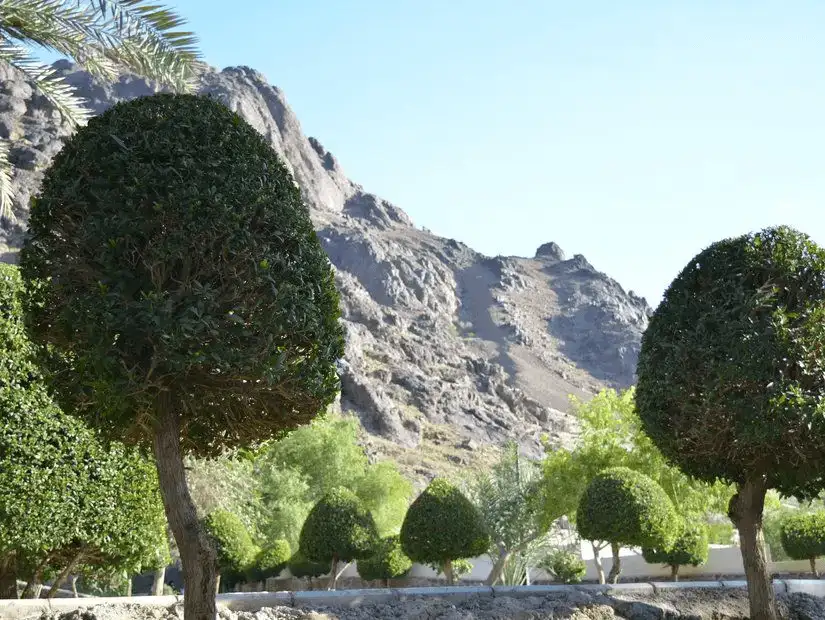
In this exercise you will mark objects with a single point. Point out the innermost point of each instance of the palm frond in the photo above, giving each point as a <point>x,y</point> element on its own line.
<point>6,191</point>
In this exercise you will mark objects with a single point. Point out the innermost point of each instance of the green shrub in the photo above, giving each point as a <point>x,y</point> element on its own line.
<point>236,550</point>
<point>690,548</point>
<point>271,560</point>
<point>299,566</point>
<point>626,508</point>
<point>388,561</point>
<point>565,566</point>
<point>442,526</point>
<point>338,529</point>
<point>460,567</point>
<point>803,536</point>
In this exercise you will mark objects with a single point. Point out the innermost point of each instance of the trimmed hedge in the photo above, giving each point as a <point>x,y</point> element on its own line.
<point>627,508</point>
<point>338,528</point>
<point>690,548</point>
<point>301,567</point>
<point>442,525</point>
<point>271,560</point>
<point>388,562</point>
<point>803,535</point>
<point>236,550</point>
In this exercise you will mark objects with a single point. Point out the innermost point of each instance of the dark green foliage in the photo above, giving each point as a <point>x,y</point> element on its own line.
<point>173,252</point>
<point>442,525</point>
<point>731,370</point>
<point>565,567</point>
<point>627,508</point>
<point>690,548</point>
<point>300,566</point>
<point>338,528</point>
<point>271,560</point>
<point>236,549</point>
<point>803,535</point>
<point>387,562</point>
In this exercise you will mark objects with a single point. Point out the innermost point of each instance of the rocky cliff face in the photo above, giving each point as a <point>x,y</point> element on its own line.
<point>448,351</point>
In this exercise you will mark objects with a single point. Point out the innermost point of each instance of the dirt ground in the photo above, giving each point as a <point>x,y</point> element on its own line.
<point>579,605</point>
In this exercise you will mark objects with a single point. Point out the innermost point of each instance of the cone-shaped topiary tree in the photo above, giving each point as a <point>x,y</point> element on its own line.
<point>626,509</point>
<point>388,561</point>
<point>731,379</point>
<point>235,548</point>
<point>271,560</point>
<point>441,526</point>
<point>803,537</point>
<point>690,549</point>
<point>183,293</point>
<point>338,529</point>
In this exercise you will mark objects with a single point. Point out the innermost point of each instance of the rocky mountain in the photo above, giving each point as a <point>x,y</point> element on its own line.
<point>448,351</point>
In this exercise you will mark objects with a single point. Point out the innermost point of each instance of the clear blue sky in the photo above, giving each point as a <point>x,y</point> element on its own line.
<point>633,132</point>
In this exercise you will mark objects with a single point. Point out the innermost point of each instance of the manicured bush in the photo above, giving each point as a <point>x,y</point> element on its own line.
<point>183,291</point>
<point>271,560</point>
<point>338,529</point>
<point>626,508</point>
<point>300,567</point>
<point>442,526</point>
<point>236,549</point>
<point>388,561</point>
<point>690,548</point>
<point>803,537</point>
<point>731,379</point>
<point>566,567</point>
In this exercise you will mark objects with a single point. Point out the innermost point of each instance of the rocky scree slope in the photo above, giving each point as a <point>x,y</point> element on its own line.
<point>448,351</point>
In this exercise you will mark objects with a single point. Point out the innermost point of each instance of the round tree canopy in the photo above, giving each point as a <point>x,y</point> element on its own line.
<point>387,562</point>
<point>338,526</point>
<point>236,549</point>
<point>803,535</point>
<point>271,560</point>
<point>690,548</point>
<point>442,525</point>
<point>174,255</point>
<point>627,508</point>
<point>731,374</point>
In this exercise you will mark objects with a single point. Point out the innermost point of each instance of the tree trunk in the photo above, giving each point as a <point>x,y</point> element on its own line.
<point>333,575</point>
<point>61,577</point>
<point>616,569</point>
<point>157,581</point>
<point>597,560</point>
<point>447,569</point>
<point>217,585</point>
<point>386,583</point>
<point>197,554</point>
<point>745,510</point>
<point>674,572</point>
<point>8,577</point>
<point>498,568</point>
<point>128,585</point>
<point>814,572</point>
<point>34,585</point>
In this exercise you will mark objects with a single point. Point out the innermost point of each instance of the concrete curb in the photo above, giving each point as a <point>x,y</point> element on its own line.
<point>253,601</point>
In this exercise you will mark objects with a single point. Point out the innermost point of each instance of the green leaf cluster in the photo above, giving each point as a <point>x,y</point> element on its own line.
<point>690,548</point>
<point>173,252</point>
<point>442,525</point>
<point>566,567</point>
<point>338,527</point>
<point>803,535</point>
<point>627,508</point>
<point>271,560</point>
<point>388,561</point>
<point>731,375</point>
<point>236,549</point>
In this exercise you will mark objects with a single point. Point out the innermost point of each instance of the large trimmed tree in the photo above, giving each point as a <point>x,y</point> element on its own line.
<point>182,292</point>
<point>442,526</point>
<point>731,379</point>
<point>627,509</point>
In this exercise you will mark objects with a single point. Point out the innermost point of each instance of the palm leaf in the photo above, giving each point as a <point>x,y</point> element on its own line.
<point>6,191</point>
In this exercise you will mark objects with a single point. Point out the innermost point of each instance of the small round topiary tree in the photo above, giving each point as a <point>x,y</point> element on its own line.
<point>626,508</point>
<point>271,560</point>
<point>731,379</point>
<point>388,561</point>
<point>690,549</point>
<point>338,529</point>
<point>300,567</point>
<point>177,279</point>
<point>235,547</point>
<point>441,526</point>
<point>803,537</point>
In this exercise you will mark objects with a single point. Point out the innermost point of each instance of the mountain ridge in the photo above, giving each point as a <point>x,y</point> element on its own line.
<point>449,352</point>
